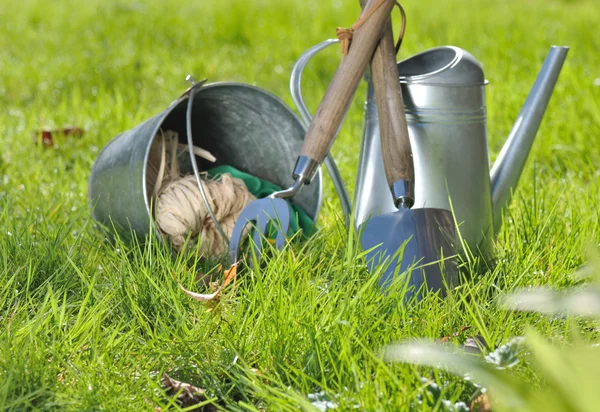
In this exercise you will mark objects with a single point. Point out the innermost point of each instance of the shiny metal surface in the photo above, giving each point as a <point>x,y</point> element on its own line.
<point>402,193</point>
<point>305,169</point>
<point>444,96</point>
<point>117,185</point>
<point>243,126</point>
<point>509,165</point>
<point>296,92</point>
<point>289,192</point>
<point>190,141</point>
<point>371,191</point>
<point>447,127</point>
<point>260,213</point>
<point>445,65</point>
<point>407,235</point>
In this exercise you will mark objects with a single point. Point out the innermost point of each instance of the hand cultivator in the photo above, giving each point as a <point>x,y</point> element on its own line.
<point>227,159</point>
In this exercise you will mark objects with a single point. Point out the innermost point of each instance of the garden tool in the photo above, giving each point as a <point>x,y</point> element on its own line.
<point>426,234</point>
<point>444,97</point>
<point>305,114</point>
<point>322,130</point>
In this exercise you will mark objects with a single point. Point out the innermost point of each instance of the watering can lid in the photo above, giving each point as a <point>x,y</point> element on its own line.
<point>445,65</point>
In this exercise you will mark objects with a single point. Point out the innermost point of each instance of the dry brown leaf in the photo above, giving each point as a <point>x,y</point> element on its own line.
<point>455,334</point>
<point>228,277</point>
<point>46,136</point>
<point>188,395</point>
<point>481,404</point>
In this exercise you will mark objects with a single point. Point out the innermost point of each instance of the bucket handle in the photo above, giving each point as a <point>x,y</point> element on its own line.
<point>296,92</point>
<point>190,141</point>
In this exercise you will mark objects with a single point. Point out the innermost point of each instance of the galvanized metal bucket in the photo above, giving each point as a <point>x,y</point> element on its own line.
<point>241,125</point>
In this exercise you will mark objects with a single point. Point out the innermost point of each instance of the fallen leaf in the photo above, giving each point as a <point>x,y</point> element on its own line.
<point>46,136</point>
<point>455,334</point>
<point>189,395</point>
<point>228,277</point>
<point>481,404</point>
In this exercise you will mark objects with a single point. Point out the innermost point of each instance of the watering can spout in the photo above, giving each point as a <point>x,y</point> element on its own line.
<point>508,166</point>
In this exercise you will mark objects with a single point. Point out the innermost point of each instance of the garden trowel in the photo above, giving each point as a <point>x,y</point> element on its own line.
<point>419,239</point>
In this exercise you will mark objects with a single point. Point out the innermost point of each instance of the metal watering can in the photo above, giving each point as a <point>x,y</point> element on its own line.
<point>444,97</point>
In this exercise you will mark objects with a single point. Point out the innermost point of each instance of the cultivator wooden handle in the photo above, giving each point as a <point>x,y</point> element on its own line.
<point>336,101</point>
<point>395,143</point>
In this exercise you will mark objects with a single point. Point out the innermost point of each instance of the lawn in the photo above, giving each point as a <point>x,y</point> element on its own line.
<point>90,325</point>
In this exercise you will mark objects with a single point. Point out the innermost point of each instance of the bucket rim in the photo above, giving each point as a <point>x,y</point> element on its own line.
<point>160,119</point>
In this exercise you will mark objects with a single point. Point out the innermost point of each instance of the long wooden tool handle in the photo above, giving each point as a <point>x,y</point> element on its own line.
<point>336,101</point>
<point>395,144</point>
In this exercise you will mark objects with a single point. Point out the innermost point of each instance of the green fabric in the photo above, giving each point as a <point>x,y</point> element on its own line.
<point>262,188</point>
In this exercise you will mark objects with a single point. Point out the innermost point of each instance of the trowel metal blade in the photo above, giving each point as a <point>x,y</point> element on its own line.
<point>427,235</point>
<point>260,213</point>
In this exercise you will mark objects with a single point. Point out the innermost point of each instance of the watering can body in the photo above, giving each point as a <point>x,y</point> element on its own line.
<point>445,105</point>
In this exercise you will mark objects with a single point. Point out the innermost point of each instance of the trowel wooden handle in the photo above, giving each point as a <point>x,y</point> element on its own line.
<point>395,144</point>
<point>336,101</point>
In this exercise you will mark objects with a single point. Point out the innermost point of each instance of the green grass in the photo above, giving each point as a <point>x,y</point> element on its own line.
<point>86,325</point>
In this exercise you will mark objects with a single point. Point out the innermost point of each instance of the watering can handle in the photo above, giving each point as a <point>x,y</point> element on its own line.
<point>306,115</point>
<point>395,143</point>
<point>336,101</point>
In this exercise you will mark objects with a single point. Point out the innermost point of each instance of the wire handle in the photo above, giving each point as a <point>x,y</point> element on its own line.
<point>188,124</point>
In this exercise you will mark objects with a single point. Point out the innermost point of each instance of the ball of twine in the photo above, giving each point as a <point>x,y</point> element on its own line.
<point>180,211</point>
